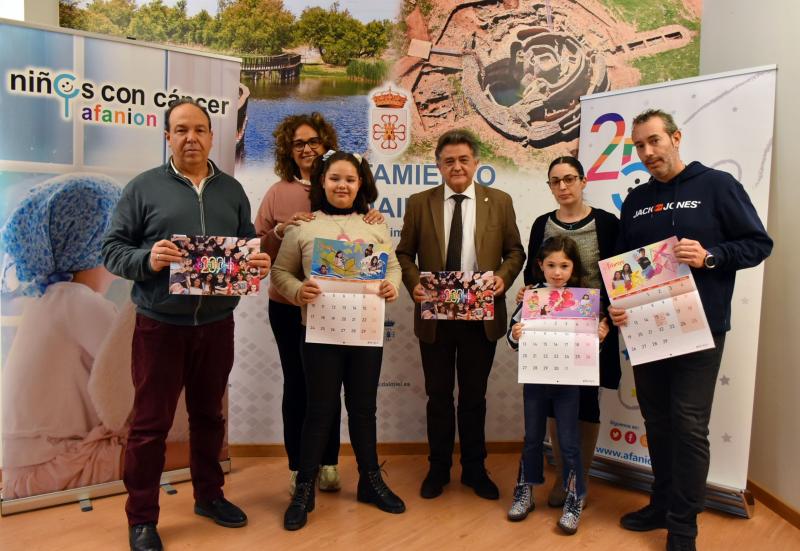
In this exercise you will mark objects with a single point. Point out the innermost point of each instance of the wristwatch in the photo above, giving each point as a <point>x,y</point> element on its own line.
<point>710,261</point>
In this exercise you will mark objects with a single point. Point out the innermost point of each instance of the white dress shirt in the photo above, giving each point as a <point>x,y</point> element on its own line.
<point>469,260</point>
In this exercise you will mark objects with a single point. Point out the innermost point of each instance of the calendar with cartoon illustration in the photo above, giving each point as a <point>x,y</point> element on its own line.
<point>665,314</point>
<point>559,343</point>
<point>348,312</point>
<point>337,259</point>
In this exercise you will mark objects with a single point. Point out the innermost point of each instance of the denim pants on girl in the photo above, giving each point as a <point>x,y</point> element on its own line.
<point>565,399</point>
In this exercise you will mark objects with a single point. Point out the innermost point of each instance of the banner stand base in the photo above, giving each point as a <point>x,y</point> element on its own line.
<point>78,495</point>
<point>736,502</point>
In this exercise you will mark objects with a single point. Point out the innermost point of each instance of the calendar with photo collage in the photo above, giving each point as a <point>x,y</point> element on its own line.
<point>665,315</point>
<point>214,266</point>
<point>458,296</point>
<point>559,343</point>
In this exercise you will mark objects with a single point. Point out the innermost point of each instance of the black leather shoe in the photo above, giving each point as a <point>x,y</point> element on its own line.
<point>302,503</point>
<point>144,537</point>
<point>478,479</point>
<point>434,483</point>
<point>645,519</point>
<point>676,542</point>
<point>372,489</point>
<point>223,512</point>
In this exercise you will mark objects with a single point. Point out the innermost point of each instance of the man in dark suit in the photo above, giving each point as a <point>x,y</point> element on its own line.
<point>459,226</point>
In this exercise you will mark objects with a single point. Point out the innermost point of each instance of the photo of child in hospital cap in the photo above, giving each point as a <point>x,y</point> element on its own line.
<point>53,437</point>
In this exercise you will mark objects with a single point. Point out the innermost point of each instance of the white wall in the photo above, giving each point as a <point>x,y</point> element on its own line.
<point>737,34</point>
<point>42,12</point>
<point>13,9</point>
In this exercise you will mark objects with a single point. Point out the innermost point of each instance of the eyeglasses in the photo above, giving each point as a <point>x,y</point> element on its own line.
<point>569,180</point>
<point>300,145</point>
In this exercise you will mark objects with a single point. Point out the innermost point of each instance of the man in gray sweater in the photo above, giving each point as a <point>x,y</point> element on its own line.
<point>179,341</point>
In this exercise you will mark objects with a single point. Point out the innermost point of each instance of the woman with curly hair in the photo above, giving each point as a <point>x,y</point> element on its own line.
<point>299,140</point>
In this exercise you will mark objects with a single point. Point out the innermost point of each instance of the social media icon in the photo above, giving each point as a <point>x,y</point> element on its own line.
<point>616,434</point>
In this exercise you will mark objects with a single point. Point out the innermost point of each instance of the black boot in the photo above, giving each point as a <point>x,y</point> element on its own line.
<point>144,537</point>
<point>302,503</point>
<point>372,489</point>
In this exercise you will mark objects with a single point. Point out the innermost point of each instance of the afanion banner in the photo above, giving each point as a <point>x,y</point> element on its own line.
<point>707,110</point>
<point>81,115</point>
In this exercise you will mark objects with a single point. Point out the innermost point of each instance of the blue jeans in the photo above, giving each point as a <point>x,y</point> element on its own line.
<point>565,400</point>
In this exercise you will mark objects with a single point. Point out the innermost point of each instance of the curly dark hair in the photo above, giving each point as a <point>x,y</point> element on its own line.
<point>285,167</point>
<point>567,245</point>
<point>367,192</point>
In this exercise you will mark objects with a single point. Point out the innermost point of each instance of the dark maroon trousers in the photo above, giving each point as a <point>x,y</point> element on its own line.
<point>166,358</point>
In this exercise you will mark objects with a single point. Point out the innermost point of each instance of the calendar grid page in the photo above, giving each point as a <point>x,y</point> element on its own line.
<point>665,315</point>
<point>348,312</point>
<point>559,343</point>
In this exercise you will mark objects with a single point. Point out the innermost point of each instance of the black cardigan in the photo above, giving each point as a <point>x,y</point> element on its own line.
<point>607,229</point>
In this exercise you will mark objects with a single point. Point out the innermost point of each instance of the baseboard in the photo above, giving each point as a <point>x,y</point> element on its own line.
<point>782,509</point>
<point>385,448</point>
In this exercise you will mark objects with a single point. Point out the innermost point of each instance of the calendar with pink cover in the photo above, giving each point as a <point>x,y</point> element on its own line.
<point>665,315</point>
<point>348,312</point>
<point>559,343</point>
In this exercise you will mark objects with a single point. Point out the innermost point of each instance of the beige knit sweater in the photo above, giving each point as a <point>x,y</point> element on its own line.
<point>294,259</point>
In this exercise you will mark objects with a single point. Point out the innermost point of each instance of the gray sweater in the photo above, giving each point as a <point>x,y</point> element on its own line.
<point>157,204</point>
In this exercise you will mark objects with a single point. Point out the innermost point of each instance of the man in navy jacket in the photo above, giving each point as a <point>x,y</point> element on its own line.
<point>719,232</point>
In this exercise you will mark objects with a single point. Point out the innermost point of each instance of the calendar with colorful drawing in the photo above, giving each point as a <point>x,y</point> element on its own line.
<point>559,343</point>
<point>665,314</point>
<point>349,259</point>
<point>349,311</point>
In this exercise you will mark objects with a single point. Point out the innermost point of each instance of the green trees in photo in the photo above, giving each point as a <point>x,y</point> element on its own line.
<point>339,36</point>
<point>255,27</point>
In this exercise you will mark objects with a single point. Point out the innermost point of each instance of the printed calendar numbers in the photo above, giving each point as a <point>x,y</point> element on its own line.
<point>559,343</point>
<point>347,312</point>
<point>665,314</point>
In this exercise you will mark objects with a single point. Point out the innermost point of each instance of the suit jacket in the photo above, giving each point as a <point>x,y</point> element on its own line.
<point>497,247</point>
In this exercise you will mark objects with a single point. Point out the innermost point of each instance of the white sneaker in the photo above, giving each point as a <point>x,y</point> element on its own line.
<point>292,482</point>
<point>523,502</point>
<point>329,480</point>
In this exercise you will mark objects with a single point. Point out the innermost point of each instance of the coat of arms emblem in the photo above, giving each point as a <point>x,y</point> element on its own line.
<point>389,122</point>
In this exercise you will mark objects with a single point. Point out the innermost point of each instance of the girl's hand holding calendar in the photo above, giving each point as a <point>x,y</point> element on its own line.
<point>387,291</point>
<point>516,332</point>
<point>309,291</point>
<point>602,329</point>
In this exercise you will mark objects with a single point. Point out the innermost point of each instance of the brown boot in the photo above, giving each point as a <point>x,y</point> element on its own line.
<point>589,433</point>
<point>557,494</point>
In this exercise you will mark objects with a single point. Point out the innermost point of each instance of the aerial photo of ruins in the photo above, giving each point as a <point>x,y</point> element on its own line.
<point>513,70</point>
